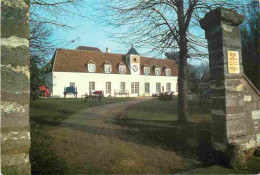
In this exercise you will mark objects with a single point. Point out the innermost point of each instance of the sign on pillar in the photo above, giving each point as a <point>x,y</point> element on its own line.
<point>233,62</point>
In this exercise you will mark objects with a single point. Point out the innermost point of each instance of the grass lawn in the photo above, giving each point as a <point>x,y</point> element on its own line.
<point>100,142</point>
<point>45,114</point>
<point>167,111</point>
<point>154,119</point>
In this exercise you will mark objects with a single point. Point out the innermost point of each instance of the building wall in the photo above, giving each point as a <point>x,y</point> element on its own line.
<point>59,80</point>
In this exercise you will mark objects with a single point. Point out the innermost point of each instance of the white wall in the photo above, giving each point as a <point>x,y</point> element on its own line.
<point>63,79</point>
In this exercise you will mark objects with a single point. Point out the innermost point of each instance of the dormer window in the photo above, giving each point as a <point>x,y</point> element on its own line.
<point>108,68</point>
<point>168,72</point>
<point>91,67</point>
<point>122,68</point>
<point>146,70</point>
<point>157,71</point>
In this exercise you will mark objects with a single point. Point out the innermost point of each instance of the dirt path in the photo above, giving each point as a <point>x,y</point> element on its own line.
<point>93,141</point>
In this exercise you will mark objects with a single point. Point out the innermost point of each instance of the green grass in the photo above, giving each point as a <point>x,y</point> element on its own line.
<point>154,120</point>
<point>156,123</point>
<point>52,111</point>
<point>144,136</point>
<point>46,114</point>
<point>156,110</point>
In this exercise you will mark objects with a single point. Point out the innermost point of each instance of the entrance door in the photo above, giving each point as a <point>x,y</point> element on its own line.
<point>91,87</point>
<point>135,88</point>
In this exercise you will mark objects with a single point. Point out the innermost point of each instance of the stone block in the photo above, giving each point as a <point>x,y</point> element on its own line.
<point>236,128</point>
<point>216,58</point>
<point>236,157</point>
<point>235,110</point>
<point>15,142</point>
<point>14,81</point>
<point>231,36</point>
<point>217,73</point>
<point>218,117</point>
<point>219,134</point>
<point>20,98</point>
<point>239,116</point>
<point>218,103</point>
<point>215,17</point>
<point>218,92</point>
<point>235,99</point>
<point>215,40</point>
<point>14,18</point>
<point>15,55</point>
<point>15,120</point>
<point>12,160</point>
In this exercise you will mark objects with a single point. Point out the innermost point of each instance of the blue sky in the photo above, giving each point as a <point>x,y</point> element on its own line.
<point>91,32</point>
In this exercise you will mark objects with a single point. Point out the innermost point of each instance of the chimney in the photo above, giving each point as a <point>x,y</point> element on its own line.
<point>108,50</point>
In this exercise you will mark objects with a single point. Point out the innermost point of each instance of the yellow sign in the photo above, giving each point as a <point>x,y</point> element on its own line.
<point>233,62</point>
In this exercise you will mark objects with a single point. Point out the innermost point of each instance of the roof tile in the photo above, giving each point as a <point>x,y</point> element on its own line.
<point>76,61</point>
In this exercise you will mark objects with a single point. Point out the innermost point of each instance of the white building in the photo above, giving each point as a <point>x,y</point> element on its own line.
<point>88,69</point>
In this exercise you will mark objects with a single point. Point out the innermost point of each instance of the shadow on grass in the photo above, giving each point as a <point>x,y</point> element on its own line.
<point>167,135</point>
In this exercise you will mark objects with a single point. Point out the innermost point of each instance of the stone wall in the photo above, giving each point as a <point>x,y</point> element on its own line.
<point>15,86</point>
<point>252,108</point>
<point>234,100</point>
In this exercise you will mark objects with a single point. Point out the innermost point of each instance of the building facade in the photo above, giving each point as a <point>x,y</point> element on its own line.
<point>88,69</point>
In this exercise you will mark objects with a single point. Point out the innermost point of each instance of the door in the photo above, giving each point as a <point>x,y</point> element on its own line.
<point>91,87</point>
<point>135,88</point>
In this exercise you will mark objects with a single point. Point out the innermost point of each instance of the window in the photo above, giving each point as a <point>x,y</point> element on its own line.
<point>91,87</point>
<point>108,87</point>
<point>168,72</point>
<point>147,88</point>
<point>168,87</point>
<point>134,87</point>
<point>122,86</point>
<point>108,68</point>
<point>177,87</point>
<point>72,84</point>
<point>158,87</point>
<point>122,69</point>
<point>157,71</point>
<point>91,67</point>
<point>146,70</point>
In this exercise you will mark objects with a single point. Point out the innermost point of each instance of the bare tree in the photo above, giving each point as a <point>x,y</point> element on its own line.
<point>165,25</point>
<point>250,42</point>
<point>46,16</point>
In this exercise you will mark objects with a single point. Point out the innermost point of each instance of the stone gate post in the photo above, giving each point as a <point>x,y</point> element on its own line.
<point>231,124</point>
<point>15,87</point>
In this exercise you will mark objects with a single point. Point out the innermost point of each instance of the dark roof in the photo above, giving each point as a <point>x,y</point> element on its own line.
<point>76,61</point>
<point>132,51</point>
<point>88,48</point>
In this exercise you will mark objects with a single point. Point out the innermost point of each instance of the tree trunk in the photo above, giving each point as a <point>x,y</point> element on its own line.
<point>182,84</point>
<point>182,75</point>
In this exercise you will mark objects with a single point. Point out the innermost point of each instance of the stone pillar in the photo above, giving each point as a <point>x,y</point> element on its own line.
<point>15,87</point>
<point>230,124</point>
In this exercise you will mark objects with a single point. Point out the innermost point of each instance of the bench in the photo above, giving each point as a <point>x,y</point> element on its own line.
<point>70,91</point>
<point>126,93</point>
<point>95,95</point>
